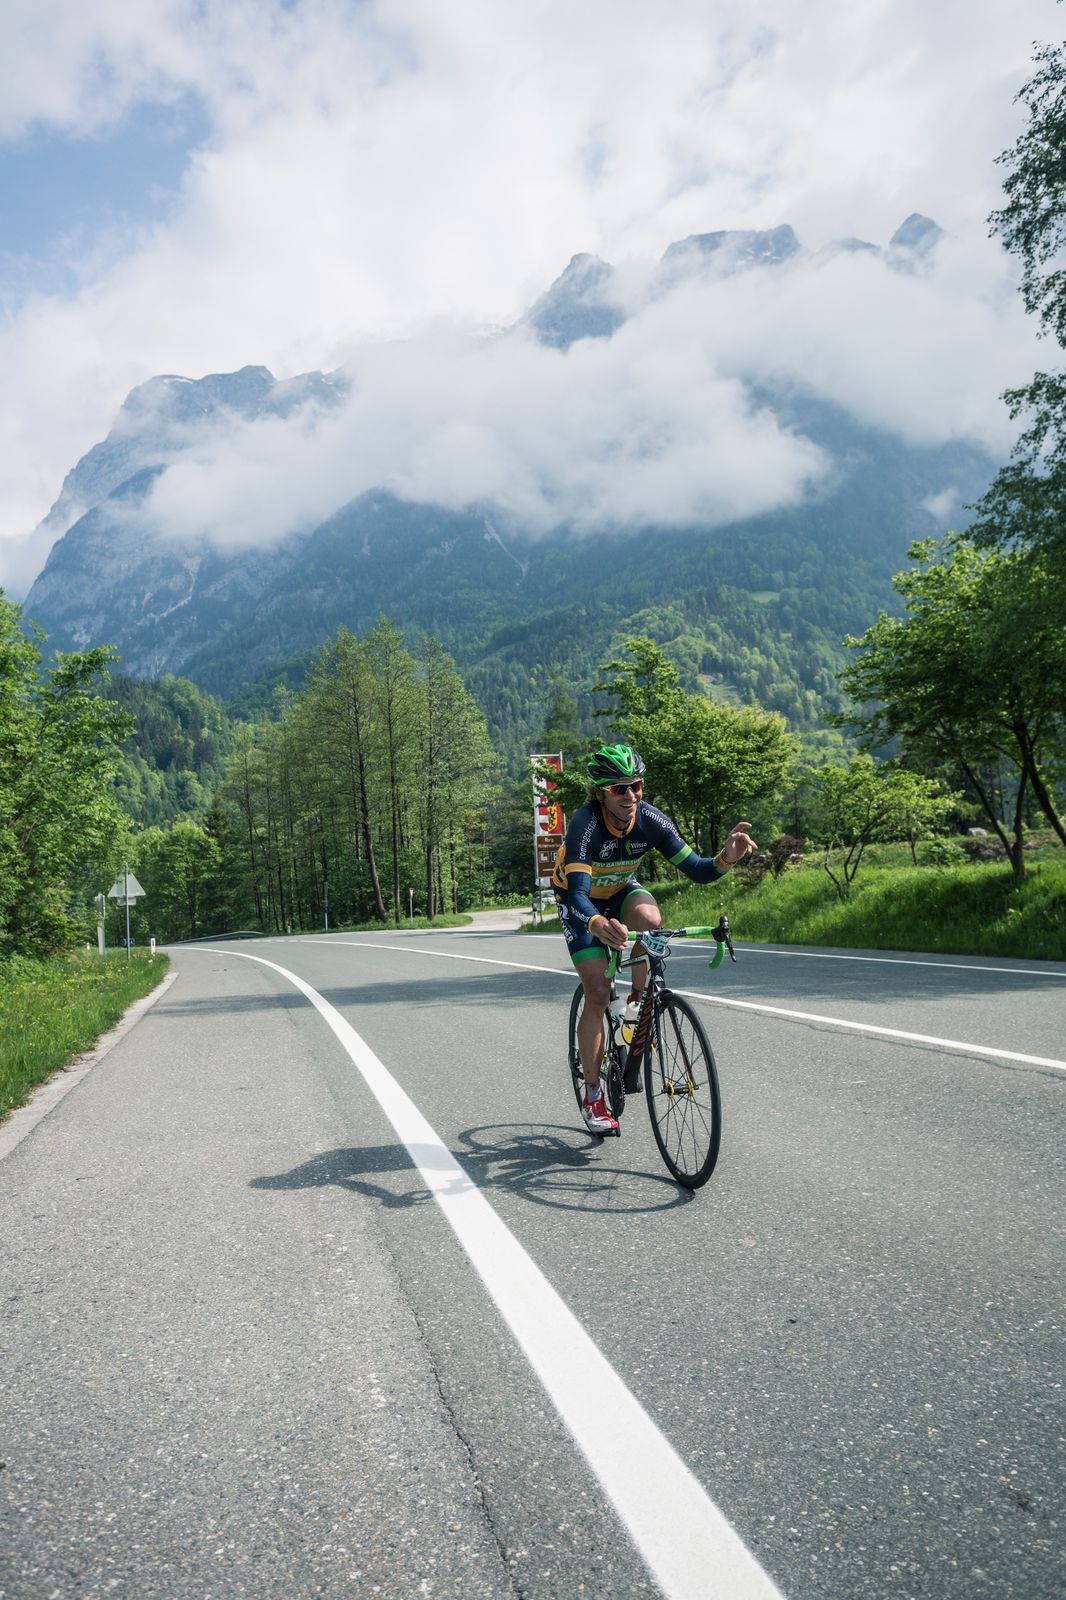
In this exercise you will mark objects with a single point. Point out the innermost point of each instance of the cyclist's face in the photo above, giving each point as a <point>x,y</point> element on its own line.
<point>620,801</point>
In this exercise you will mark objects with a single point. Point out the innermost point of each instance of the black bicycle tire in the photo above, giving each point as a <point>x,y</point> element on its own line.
<point>695,1175</point>
<point>573,1058</point>
<point>611,1075</point>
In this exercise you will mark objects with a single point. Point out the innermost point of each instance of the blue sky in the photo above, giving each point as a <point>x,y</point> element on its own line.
<point>63,196</point>
<point>194,185</point>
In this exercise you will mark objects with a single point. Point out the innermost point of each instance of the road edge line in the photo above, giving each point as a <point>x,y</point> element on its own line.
<point>690,1548</point>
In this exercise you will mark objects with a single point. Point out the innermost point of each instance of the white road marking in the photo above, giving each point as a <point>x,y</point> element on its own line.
<point>890,961</point>
<point>870,1027</point>
<point>750,1005</point>
<point>690,1549</point>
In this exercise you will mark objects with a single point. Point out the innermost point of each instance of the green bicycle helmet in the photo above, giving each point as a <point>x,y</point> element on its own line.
<point>614,763</point>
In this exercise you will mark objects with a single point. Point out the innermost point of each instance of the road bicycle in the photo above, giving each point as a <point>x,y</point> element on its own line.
<point>668,1044</point>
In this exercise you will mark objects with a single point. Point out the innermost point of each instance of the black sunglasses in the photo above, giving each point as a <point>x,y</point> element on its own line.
<point>637,787</point>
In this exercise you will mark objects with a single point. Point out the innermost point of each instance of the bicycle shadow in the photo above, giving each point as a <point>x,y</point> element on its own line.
<point>536,1163</point>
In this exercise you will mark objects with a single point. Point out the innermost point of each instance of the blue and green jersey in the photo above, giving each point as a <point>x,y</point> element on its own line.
<point>595,860</point>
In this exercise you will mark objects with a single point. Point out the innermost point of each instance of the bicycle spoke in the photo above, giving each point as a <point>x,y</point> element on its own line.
<point>682,1093</point>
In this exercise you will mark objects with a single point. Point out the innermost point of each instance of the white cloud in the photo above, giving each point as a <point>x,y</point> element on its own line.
<point>612,433</point>
<point>376,167</point>
<point>654,425</point>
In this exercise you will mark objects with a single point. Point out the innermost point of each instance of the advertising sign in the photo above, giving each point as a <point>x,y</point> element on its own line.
<point>549,824</point>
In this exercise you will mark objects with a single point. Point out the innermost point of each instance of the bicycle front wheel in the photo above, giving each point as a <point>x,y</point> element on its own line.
<point>681,1083</point>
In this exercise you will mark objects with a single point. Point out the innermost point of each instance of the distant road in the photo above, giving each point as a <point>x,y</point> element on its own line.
<point>301,1282</point>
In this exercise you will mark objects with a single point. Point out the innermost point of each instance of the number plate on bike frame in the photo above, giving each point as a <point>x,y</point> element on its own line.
<point>655,944</point>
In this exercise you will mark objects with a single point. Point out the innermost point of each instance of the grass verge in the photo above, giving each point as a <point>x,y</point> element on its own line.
<point>968,910</point>
<point>445,920</point>
<point>50,1011</point>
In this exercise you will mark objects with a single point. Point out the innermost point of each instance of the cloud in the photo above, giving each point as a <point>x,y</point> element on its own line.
<point>375,168</point>
<point>655,425</point>
<point>611,434</point>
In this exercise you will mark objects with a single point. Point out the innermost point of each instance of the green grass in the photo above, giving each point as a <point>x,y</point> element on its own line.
<point>50,1011</point>
<point>445,920</point>
<point>968,910</point>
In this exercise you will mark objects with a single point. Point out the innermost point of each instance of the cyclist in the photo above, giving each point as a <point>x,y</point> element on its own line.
<point>600,900</point>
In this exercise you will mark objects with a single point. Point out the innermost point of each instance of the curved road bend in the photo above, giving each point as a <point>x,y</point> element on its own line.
<point>246,1353</point>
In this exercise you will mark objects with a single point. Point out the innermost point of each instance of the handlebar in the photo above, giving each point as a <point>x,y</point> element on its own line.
<point>719,934</point>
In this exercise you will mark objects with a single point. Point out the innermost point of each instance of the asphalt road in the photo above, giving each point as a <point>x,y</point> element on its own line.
<point>245,1352</point>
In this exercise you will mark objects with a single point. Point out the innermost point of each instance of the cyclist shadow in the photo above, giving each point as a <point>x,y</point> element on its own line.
<point>539,1164</point>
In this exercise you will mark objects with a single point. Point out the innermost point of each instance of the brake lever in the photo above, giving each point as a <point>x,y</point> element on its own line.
<point>721,937</point>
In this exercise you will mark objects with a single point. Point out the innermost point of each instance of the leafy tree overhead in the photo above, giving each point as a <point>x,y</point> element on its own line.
<point>59,749</point>
<point>1027,499</point>
<point>1032,223</point>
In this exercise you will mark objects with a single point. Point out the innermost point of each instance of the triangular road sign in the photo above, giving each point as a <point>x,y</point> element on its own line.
<point>125,887</point>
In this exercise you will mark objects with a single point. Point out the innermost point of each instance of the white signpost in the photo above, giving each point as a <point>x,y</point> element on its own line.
<point>127,891</point>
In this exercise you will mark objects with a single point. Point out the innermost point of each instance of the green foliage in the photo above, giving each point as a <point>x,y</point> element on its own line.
<point>970,910</point>
<point>175,755</point>
<point>942,853</point>
<point>1026,503</point>
<point>59,747</point>
<point>52,1009</point>
<point>374,778</point>
<point>709,764</point>
<point>180,870</point>
<point>864,802</point>
<point>977,669</point>
<point>1032,224</point>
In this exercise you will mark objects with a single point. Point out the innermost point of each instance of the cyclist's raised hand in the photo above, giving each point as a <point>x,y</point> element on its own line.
<point>739,845</point>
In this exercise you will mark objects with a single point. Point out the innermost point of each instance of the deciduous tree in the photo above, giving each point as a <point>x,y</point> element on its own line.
<point>59,749</point>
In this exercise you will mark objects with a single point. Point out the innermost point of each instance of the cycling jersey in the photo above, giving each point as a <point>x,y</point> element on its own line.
<point>596,859</point>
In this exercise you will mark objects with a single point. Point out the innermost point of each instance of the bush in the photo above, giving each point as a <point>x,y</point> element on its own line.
<point>942,853</point>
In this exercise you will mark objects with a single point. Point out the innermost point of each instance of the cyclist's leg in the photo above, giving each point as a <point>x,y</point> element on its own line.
<point>590,962</point>
<point>593,975</point>
<point>640,911</point>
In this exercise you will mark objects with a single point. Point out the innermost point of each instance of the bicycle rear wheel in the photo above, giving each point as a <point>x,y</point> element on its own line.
<point>681,1083</point>
<point>611,1072</point>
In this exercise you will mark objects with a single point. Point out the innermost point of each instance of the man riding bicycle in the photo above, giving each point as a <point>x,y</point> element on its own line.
<point>600,900</point>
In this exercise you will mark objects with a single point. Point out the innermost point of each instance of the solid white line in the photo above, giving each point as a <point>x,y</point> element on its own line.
<point>870,1027</point>
<point>690,1549</point>
<point>752,1005</point>
<point>897,961</point>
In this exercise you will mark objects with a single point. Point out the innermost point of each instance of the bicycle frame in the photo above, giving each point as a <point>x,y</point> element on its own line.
<point>656,948</point>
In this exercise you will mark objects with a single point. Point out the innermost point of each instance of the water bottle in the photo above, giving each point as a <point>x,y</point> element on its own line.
<point>630,1014</point>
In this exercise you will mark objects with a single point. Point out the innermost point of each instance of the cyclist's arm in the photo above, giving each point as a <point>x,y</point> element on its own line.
<point>663,834</point>
<point>578,884</point>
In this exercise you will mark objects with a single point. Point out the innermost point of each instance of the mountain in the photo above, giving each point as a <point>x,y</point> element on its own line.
<point>753,610</point>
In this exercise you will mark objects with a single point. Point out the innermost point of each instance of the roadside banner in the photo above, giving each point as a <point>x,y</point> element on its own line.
<point>549,824</point>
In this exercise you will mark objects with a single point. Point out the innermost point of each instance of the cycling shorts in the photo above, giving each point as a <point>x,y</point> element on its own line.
<point>583,945</point>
